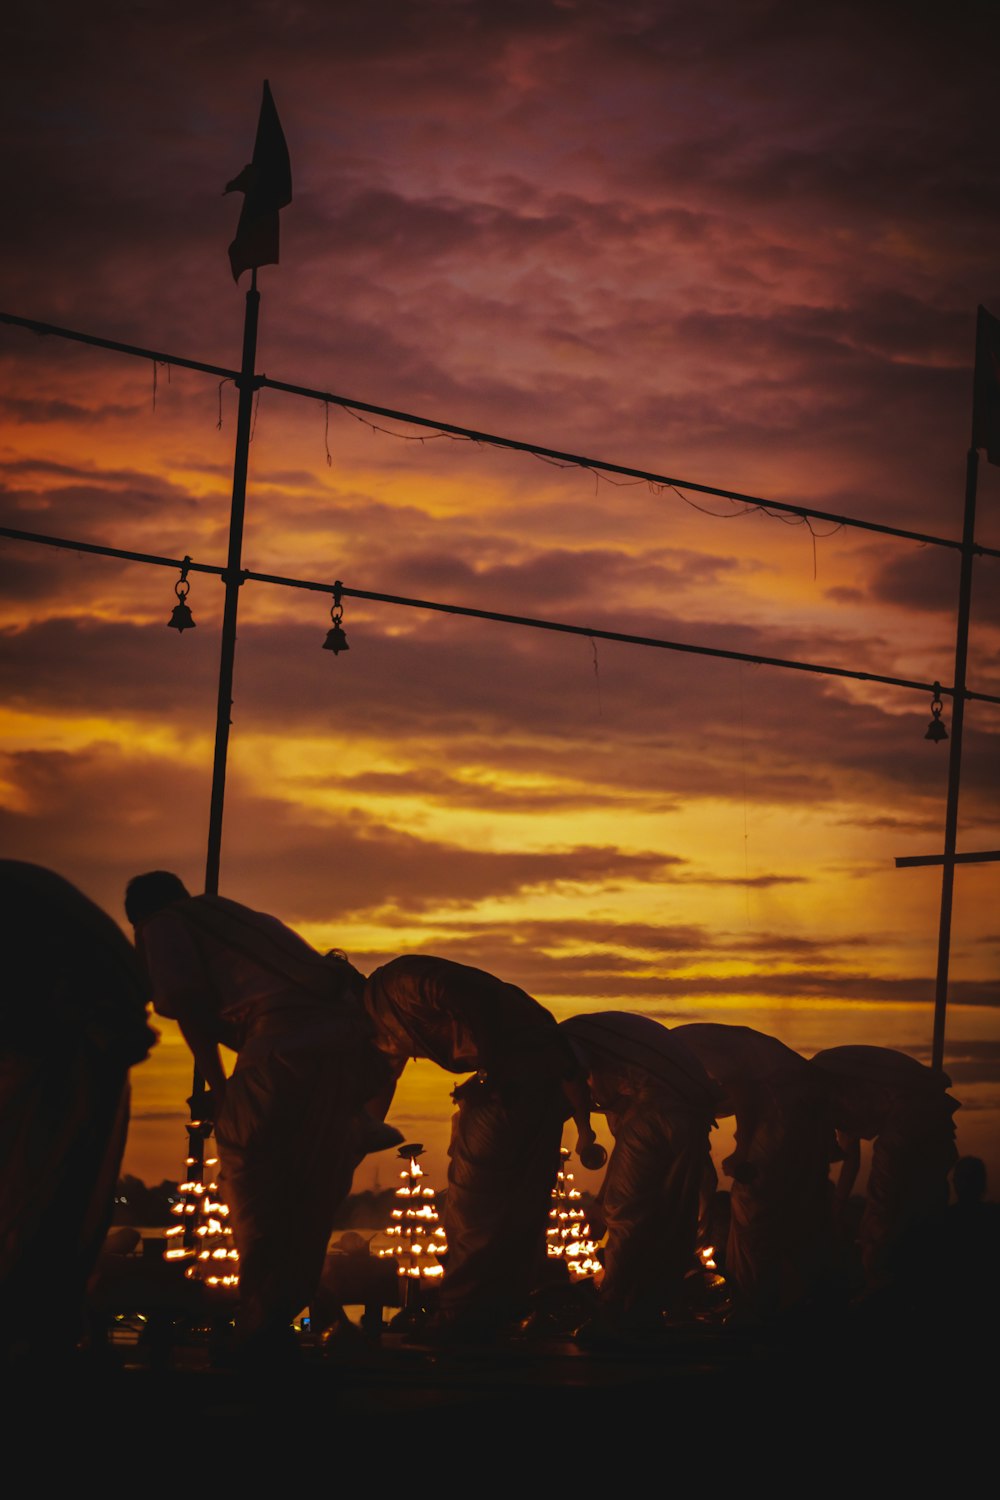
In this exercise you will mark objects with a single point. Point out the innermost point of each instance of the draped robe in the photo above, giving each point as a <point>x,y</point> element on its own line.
<point>72,1021</point>
<point>506,1131</point>
<point>288,1132</point>
<point>781,1239</point>
<point>902,1106</point>
<point>660,1105</point>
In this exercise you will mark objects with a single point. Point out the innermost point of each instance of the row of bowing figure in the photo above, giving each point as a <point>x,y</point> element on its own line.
<point>319,1049</point>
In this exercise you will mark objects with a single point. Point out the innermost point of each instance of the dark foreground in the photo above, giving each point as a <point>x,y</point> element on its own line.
<point>691,1399</point>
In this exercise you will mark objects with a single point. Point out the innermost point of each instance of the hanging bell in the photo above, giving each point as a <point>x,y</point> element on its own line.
<point>336,640</point>
<point>935,729</point>
<point>181,617</point>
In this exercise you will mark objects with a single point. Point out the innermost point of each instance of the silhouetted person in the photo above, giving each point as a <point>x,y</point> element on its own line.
<point>973,1241</point>
<point>287,1120</point>
<point>947,1271</point>
<point>781,1240</point>
<point>660,1107</point>
<point>506,1133</point>
<point>74,1021</point>
<point>968,1178</point>
<point>884,1096</point>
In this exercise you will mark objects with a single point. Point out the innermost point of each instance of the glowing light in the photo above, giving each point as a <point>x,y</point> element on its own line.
<point>213,1233</point>
<point>416,1235</point>
<point>568,1236</point>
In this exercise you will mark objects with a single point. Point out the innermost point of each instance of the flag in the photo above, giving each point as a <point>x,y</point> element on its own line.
<point>266,184</point>
<point>986,389</point>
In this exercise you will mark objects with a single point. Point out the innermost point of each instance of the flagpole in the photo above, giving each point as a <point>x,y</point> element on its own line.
<point>233,580</point>
<point>266,185</point>
<point>955,757</point>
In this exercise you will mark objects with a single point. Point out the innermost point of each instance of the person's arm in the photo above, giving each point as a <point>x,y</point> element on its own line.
<point>746,1106</point>
<point>181,988</point>
<point>175,965</point>
<point>378,1105</point>
<point>592,1155</point>
<point>207,1059</point>
<point>851,1147</point>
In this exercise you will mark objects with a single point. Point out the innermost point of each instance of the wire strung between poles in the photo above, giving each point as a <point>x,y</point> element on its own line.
<point>469,611</point>
<point>494,440</point>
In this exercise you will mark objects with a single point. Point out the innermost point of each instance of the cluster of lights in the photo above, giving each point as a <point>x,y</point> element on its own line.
<point>568,1236</point>
<point>418,1238</point>
<point>203,1237</point>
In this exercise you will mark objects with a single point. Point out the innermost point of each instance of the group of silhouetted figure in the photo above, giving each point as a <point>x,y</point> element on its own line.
<point>319,1050</point>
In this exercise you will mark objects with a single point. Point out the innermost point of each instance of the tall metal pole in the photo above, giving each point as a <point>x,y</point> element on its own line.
<point>955,758</point>
<point>233,579</point>
<point>200,1125</point>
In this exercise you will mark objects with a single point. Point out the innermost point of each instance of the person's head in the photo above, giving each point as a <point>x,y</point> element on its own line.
<point>147,894</point>
<point>351,979</point>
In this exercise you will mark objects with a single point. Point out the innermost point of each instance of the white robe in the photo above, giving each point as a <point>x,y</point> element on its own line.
<point>660,1104</point>
<point>506,1132</point>
<point>305,1067</point>
<point>781,1239</point>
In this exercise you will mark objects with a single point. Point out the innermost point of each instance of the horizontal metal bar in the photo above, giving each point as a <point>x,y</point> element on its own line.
<point>530,622</point>
<point>153,558</point>
<point>493,440</point>
<point>597,465</point>
<point>984,856</point>
<point>51,330</point>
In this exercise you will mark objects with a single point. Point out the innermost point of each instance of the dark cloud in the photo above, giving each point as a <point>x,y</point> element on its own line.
<point>973,1062</point>
<point>118,508</point>
<point>555,580</point>
<point>663,990</point>
<point>868,989</point>
<point>101,816</point>
<point>750,882</point>
<point>559,957</point>
<point>478,684</point>
<point>42,410</point>
<point>891,822</point>
<point>644,940</point>
<point>107,811</point>
<point>928,580</point>
<point>357,869</point>
<point>385,225</point>
<point>451,791</point>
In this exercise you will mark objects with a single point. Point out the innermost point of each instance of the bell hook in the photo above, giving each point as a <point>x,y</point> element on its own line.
<point>935,729</point>
<point>336,639</point>
<point>181,617</point>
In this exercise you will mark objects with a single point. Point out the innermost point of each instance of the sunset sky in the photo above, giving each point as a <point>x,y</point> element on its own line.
<point>739,244</point>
